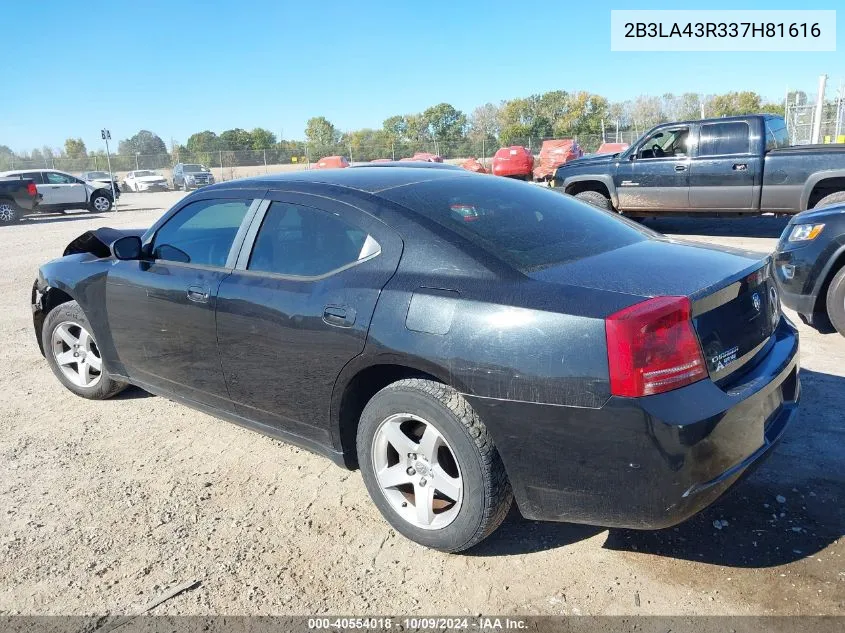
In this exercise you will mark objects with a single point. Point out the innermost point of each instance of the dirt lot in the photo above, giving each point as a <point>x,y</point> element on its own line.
<point>104,505</point>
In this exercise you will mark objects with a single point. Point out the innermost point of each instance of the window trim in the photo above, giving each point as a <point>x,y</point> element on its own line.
<point>670,127</point>
<point>237,242</point>
<point>252,234</point>
<point>701,127</point>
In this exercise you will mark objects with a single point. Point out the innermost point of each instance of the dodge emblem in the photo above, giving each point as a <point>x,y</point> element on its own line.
<point>755,299</point>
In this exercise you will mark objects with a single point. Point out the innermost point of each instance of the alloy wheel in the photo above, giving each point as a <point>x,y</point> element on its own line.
<point>101,203</point>
<point>76,354</point>
<point>417,471</point>
<point>7,213</point>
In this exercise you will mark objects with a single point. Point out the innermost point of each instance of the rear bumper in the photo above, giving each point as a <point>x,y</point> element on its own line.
<point>650,462</point>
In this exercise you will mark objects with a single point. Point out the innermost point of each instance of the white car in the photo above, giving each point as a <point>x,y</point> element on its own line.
<point>61,191</point>
<point>144,180</point>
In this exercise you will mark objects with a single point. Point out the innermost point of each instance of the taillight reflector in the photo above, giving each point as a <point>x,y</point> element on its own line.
<point>652,348</point>
<point>31,189</point>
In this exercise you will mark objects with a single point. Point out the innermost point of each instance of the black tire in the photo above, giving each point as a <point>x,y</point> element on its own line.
<point>596,199</point>
<point>836,301</point>
<point>101,202</point>
<point>71,312</point>
<point>477,458</point>
<point>185,185</point>
<point>831,199</point>
<point>9,211</point>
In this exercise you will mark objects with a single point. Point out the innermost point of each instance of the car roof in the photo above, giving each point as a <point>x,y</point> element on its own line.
<point>360,178</point>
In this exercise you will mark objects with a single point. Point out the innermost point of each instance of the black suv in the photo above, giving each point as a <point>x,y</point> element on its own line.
<point>187,176</point>
<point>810,265</point>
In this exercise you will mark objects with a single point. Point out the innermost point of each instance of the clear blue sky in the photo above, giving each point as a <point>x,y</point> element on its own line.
<point>178,67</point>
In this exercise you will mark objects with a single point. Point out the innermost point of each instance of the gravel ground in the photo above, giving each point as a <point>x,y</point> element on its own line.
<point>105,505</point>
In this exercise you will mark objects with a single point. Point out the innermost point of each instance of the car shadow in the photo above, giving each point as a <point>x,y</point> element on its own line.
<point>758,226</point>
<point>133,393</point>
<point>49,219</point>
<point>790,508</point>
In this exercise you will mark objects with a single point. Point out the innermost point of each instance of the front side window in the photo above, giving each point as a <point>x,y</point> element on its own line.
<point>305,242</point>
<point>201,233</point>
<point>666,143</point>
<point>55,178</point>
<point>718,139</point>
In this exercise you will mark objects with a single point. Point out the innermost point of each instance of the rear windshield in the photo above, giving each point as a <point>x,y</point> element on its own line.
<point>529,226</point>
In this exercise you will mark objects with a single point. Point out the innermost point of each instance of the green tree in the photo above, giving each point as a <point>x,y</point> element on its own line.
<point>236,139</point>
<point>321,133</point>
<point>75,148</point>
<point>261,138</point>
<point>396,128</point>
<point>445,125</point>
<point>206,141</point>
<point>144,142</point>
<point>734,104</point>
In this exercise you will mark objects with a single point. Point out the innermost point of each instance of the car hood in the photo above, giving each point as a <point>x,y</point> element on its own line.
<point>592,161</point>
<point>836,211</point>
<point>656,267</point>
<point>98,242</point>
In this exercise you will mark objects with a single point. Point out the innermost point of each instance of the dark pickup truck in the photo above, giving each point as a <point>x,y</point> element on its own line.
<point>730,166</point>
<point>17,196</point>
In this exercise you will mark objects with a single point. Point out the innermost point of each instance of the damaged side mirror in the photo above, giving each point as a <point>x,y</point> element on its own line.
<point>128,247</point>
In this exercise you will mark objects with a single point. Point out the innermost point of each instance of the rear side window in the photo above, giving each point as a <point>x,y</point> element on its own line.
<point>34,175</point>
<point>718,139</point>
<point>527,226</point>
<point>776,134</point>
<point>201,233</point>
<point>305,242</point>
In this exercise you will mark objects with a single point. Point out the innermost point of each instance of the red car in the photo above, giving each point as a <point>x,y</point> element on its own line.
<point>513,162</point>
<point>553,154</point>
<point>331,162</point>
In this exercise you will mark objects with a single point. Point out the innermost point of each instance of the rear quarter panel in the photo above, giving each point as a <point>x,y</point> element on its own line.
<point>789,177</point>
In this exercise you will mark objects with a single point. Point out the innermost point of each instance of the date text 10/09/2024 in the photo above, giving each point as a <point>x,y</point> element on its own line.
<point>721,29</point>
<point>418,623</point>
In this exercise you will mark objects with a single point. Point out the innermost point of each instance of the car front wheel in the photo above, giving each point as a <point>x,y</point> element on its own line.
<point>430,465</point>
<point>100,202</point>
<point>73,355</point>
<point>836,301</point>
<point>596,199</point>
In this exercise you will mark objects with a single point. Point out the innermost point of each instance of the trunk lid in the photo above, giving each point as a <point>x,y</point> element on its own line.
<point>735,306</point>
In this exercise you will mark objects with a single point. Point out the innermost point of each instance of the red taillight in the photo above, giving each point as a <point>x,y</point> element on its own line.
<point>652,348</point>
<point>31,189</point>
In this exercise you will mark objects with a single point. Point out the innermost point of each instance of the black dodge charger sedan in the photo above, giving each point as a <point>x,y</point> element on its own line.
<point>462,339</point>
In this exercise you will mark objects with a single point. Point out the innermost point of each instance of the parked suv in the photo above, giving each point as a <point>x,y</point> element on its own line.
<point>61,191</point>
<point>188,176</point>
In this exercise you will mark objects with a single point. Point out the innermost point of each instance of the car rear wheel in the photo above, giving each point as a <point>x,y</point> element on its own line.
<point>596,199</point>
<point>430,465</point>
<point>100,202</point>
<point>833,198</point>
<point>836,301</point>
<point>8,212</point>
<point>73,355</point>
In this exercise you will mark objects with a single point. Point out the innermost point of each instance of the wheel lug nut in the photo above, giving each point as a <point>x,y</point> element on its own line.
<point>411,471</point>
<point>423,482</point>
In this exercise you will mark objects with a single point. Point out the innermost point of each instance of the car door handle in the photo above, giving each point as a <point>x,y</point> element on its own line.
<point>339,316</point>
<point>680,167</point>
<point>198,294</point>
<point>740,166</point>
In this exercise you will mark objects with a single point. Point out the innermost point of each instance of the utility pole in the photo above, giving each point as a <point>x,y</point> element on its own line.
<point>603,139</point>
<point>221,166</point>
<point>838,114</point>
<point>106,134</point>
<point>817,119</point>
<point>136,160</point>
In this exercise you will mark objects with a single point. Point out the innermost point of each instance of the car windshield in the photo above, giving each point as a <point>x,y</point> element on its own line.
<point>191,169</point>
<point>529,227</point>
<point>97,174</point>
<point>145,172</point>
